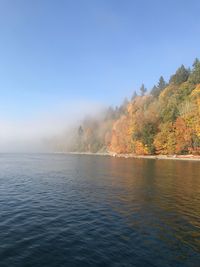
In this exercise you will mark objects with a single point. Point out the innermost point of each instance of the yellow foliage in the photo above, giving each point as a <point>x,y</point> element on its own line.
<point>140,149</point>
<point>165,140</point>
<point>121,140</point>
<point>169,90</point>
<point>196,92</point>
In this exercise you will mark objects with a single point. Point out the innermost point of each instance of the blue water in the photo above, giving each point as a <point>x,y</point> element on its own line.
<point>71,210</point>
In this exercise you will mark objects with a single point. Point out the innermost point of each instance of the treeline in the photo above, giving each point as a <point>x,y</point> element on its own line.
<point>164,121</point>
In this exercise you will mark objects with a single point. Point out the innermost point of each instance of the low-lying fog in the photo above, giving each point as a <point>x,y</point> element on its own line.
<point>35,134</point>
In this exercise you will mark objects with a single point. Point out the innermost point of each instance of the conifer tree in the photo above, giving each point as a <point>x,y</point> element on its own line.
<point>143,90</point>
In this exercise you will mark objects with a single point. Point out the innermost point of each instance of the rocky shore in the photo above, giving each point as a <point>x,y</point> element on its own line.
<point>158,157</point>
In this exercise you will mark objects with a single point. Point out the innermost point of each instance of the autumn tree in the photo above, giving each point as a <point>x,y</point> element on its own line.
<point>165,140</point>
<point>169,111</point>
<point>121,141</point>
<point>166,121</point>
<point>183,136</point>
<point>147,136</point>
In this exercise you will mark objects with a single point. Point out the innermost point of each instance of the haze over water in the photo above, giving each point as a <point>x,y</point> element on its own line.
<point>103,76</point>
<point>62,60</point>
<point>71,210</point>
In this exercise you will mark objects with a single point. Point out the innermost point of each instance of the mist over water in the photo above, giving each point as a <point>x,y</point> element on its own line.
<point>34,133</point>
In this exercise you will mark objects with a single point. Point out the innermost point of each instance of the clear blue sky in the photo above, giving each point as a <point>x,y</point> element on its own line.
<point>95,50</point>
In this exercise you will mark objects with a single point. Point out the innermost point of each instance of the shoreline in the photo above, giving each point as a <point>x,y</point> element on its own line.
<point>158,157</point>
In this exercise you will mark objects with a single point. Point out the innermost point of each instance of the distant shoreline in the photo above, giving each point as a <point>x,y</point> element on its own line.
<point>159,157</point>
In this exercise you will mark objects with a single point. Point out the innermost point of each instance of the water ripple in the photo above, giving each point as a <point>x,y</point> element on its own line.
<point>61,210</point>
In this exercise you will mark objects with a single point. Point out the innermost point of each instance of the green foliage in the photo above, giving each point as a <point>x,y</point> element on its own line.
<point>167,121</point>
<point>156,90</point>
<point>161,83</point>
<point>195,74</point>
<point>195,141</point>
<point>180,76</point>
<point>165,140</point>
<point>147,136</point>
<point>184,90</point>
<point>170,111</point>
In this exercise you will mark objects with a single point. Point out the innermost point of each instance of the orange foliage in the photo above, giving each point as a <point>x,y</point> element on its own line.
<point>140,149</point>
<point>165,140</point>
<point>183,136</point>
<point>121,140</point>
<point>168,123</point>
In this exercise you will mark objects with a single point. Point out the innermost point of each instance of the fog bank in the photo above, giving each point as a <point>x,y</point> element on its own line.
<point>34,134</point>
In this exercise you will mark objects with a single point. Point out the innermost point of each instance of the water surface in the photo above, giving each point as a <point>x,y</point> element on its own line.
<point>71,210</point>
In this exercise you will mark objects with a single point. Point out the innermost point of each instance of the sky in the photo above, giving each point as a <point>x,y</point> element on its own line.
<point>59,59</point>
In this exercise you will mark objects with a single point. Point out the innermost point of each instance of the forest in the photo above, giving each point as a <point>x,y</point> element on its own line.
<point>164,120</point>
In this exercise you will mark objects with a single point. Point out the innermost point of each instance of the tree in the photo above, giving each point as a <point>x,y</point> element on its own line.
<point>156,90</point>
<point>165,122</point>
<point>147,136</point>
<point>79,146</point>
<point>195,75</point>
<point>139,148</point>
<point>110,114</point>
<point>180,76</point>
<point>169,111</point>
<point>183,136</point>
<point>80,131</point>
<point>165,140</point>
<point>123,107</point>
<point>161,83</point>
<point>196,62</point>
<point>121,139</point>
<point>134,95</point>
<point>143,90</point>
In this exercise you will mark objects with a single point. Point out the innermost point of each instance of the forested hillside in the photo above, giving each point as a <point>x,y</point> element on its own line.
<point>166,120</point>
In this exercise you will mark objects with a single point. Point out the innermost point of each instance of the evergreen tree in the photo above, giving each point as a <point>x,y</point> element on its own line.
<point>180,76</point>
<point>123,107</point>
<point>134,95</point>
<point>143,90</point>
<point>80,131</point>
<point>165,125</point>
<point>196,62</point>
<point>161,83</point>
<point>195,75</point>
<point>110,114</point>
<point>156,90</point>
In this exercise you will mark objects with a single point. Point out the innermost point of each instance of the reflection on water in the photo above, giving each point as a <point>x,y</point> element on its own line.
<point>61,210</point>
